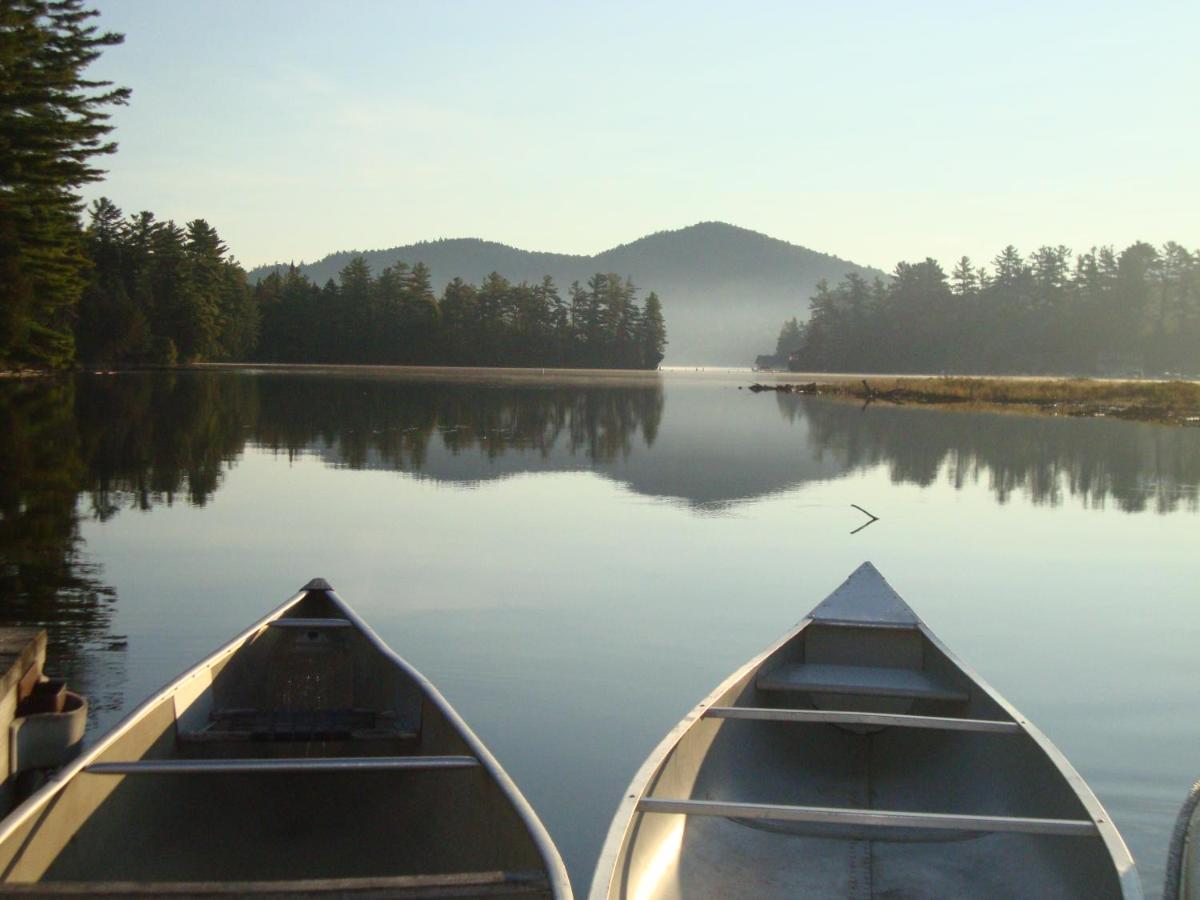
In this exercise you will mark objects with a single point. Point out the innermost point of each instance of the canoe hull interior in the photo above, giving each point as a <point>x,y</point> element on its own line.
<point>777,803</point>
<point>298,689</point>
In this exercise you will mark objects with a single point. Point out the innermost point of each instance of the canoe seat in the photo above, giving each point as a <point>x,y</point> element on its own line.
<point>871,681</point>
<point>300,725</point>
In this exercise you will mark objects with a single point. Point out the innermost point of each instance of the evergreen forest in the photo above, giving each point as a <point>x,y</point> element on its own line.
<point>395,317</point>
<point>1095,313</point>
<point>158,294</point>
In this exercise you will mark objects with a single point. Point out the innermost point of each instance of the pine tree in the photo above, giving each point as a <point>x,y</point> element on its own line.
<point>111,328</point>
<point>459,311</point>
<point>352,324</point>
<point>53,123</point>
<point>420,316</point>
<point>964,281</point>
<point>652,333</point>
<point>169,293</point>
<point>201,311</point>
<point>790,339</point>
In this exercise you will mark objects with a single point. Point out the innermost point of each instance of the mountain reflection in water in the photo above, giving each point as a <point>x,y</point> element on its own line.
<point>93,446</point>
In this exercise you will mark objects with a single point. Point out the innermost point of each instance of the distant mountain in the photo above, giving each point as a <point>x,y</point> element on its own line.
<point>725,290</point>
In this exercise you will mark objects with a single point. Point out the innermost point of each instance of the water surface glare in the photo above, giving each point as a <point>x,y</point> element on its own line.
<point>576,564</point>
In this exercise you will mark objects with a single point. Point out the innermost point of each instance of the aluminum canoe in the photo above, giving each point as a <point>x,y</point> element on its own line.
<point>1182,881</point>
<point>303,758</point>
<point>859,758</point>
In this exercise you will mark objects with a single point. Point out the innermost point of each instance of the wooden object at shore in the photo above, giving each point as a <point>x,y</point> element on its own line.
<point>42,723</point>
<point>22,656</point>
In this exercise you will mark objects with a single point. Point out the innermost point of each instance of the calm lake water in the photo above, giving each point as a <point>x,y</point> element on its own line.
<point>576,563</point>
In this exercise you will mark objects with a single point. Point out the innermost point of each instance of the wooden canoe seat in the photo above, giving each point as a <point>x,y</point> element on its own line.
<point>300,725</point>
<point>869,681</point>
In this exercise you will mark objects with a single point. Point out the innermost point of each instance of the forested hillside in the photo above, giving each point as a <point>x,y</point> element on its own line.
<point>726,286</point>
<point>1099,312</point>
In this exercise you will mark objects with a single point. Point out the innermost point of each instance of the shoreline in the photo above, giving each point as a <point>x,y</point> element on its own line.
<point>1158,402</point>
<point>462,374</point>
<point>1175,402</point>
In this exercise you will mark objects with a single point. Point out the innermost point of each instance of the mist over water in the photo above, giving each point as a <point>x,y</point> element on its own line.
<point>575,563</point>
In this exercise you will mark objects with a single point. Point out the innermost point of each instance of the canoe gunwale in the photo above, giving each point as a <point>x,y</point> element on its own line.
<point>1131,883</point>
<point>622,820</point>
<point>59,780</point>
<point>555,870</point>
<point>627,809</point>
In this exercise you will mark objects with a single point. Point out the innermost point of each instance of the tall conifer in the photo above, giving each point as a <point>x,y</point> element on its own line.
<point>53,123</point>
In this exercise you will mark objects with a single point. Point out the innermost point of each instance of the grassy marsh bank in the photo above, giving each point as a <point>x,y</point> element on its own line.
<point>1165,402</point>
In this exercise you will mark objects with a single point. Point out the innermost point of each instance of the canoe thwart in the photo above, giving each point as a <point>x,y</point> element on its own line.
<point>872,817</point>
<point>297,765</point>
<point>874,681</point>
<point>310,623</point>
<point>838,717</point>
<point>299,725</point>
<point>454,884</point>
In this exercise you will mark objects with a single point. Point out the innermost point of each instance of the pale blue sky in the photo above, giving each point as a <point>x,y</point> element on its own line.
<point>875,131</point>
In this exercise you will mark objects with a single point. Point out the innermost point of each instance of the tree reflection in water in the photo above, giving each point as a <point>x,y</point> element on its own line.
<point>1138,466</point>
<point>391,423</point>
<point>93,446</point>
<point>45,576</point>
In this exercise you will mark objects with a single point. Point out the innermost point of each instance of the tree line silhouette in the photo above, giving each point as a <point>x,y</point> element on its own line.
<point>1099,312</point>
<point>394,317</point>
<point>159,293</point>
<point>141,291</point>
